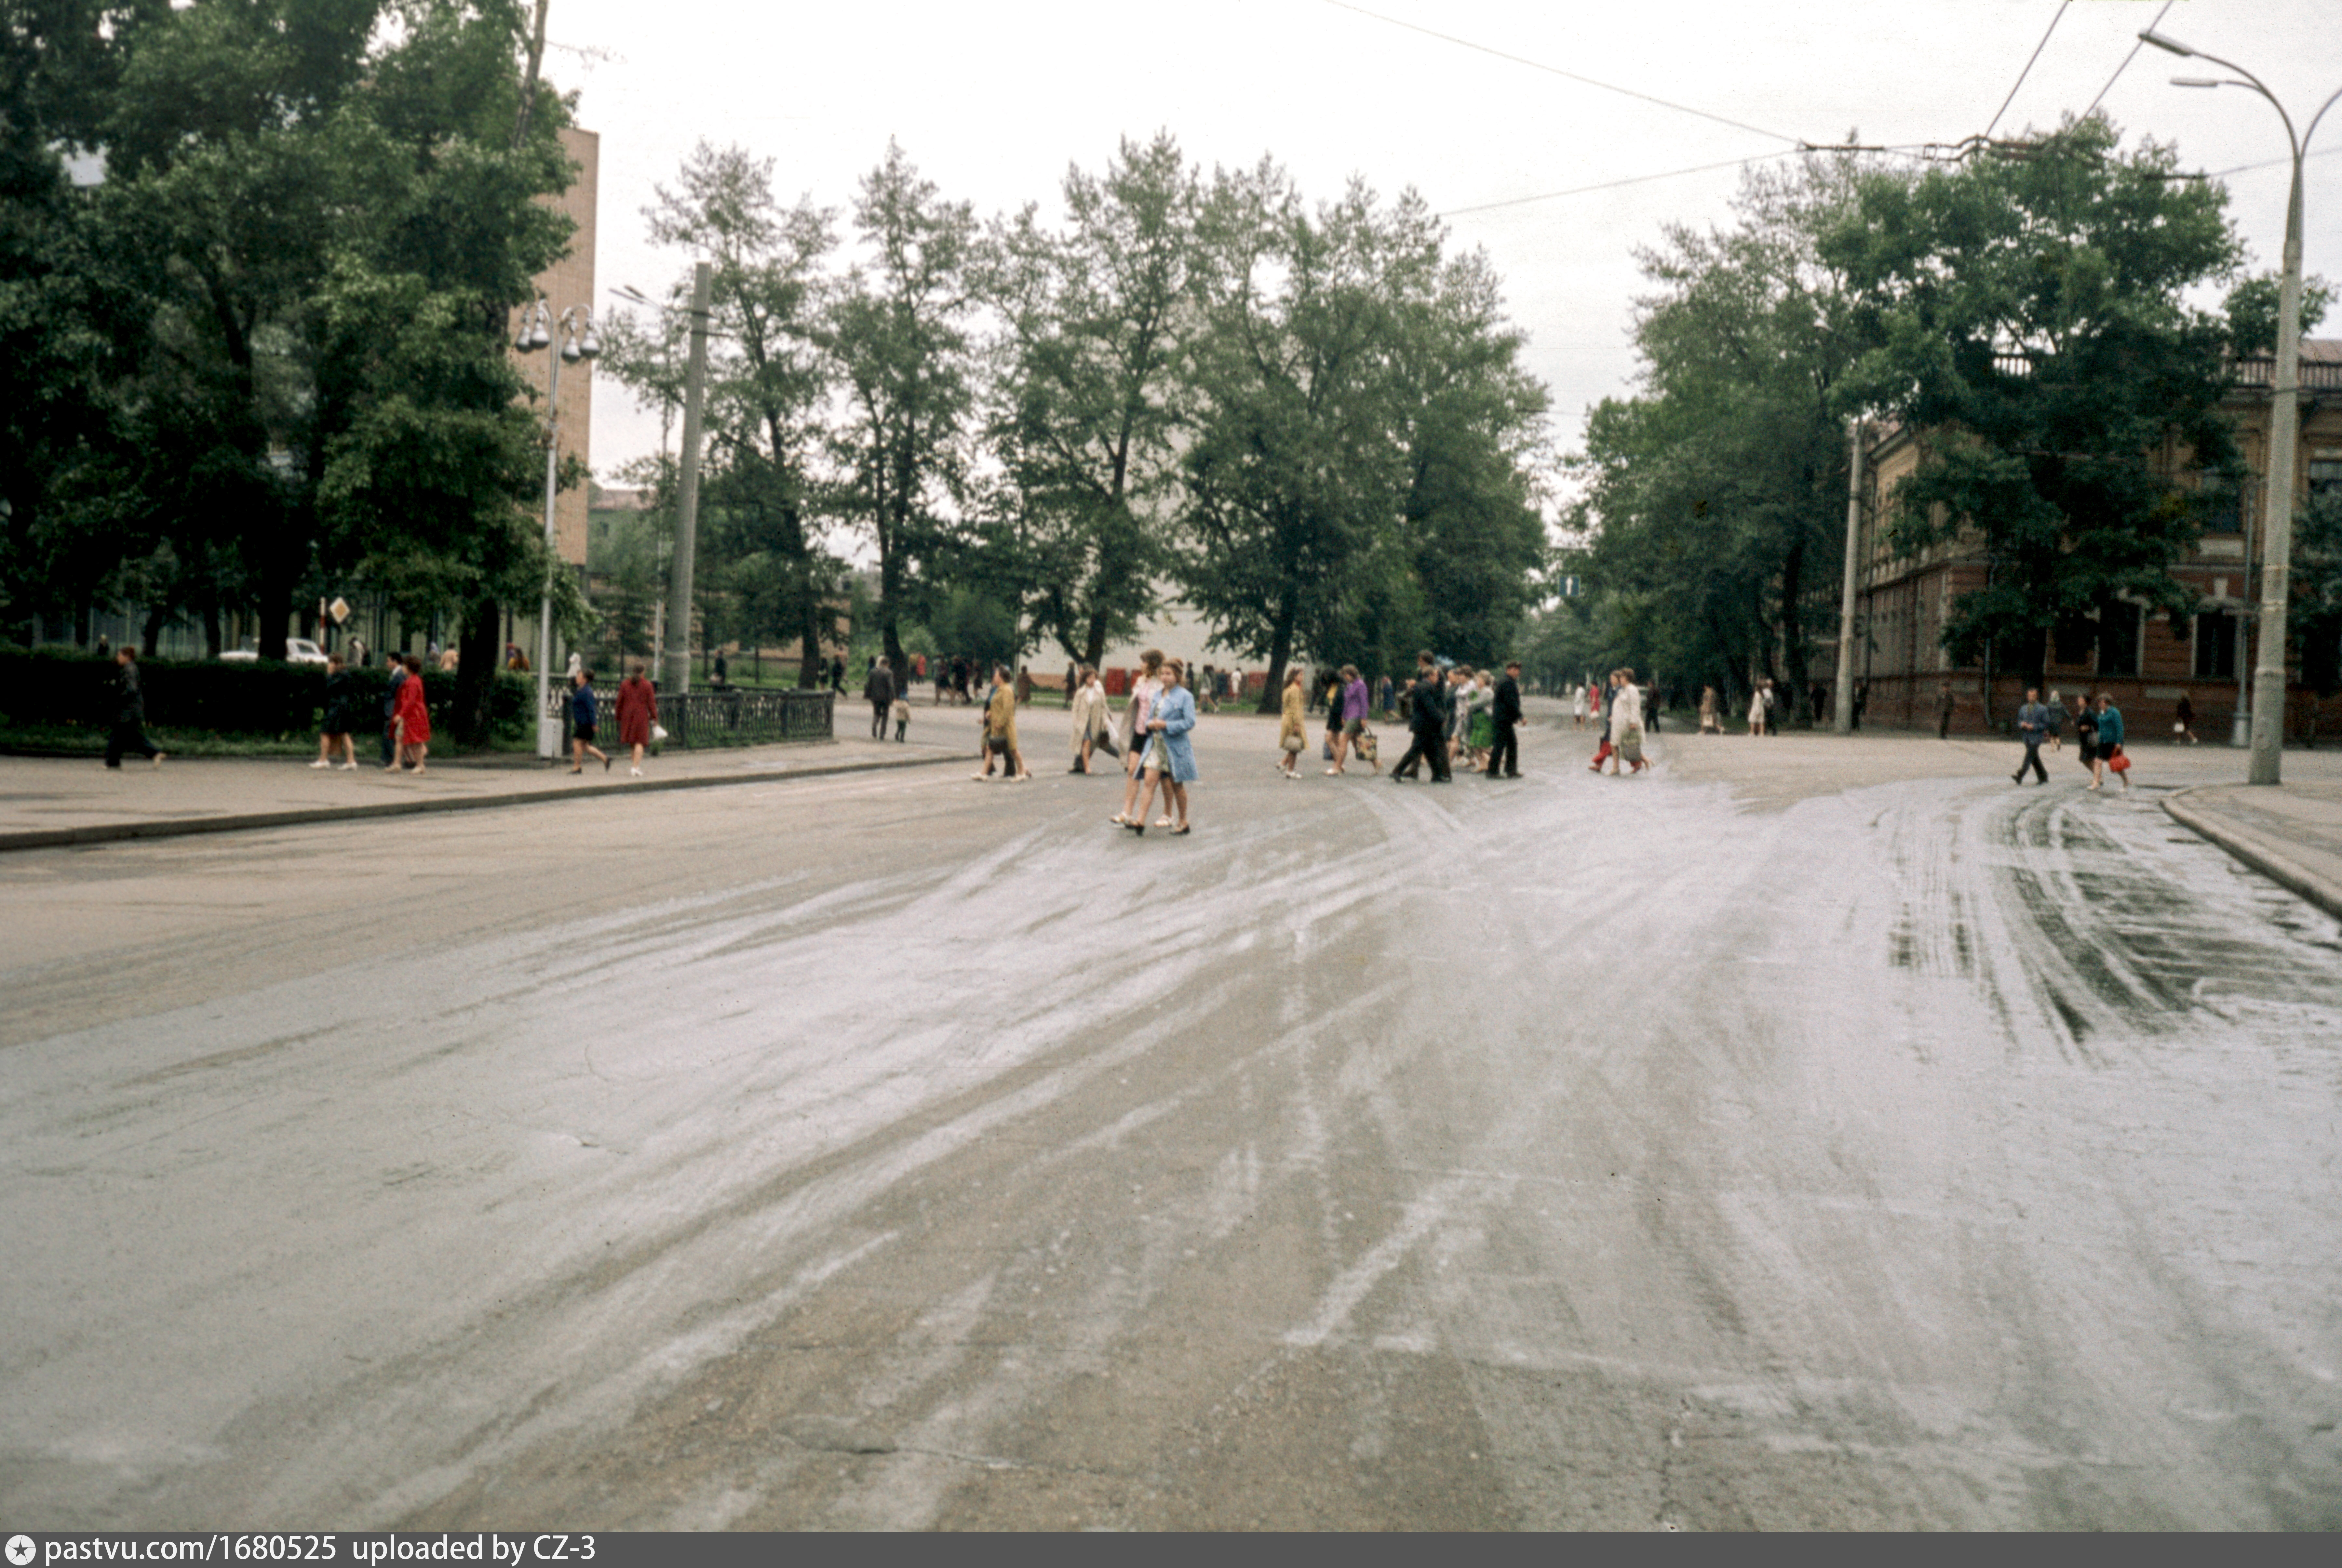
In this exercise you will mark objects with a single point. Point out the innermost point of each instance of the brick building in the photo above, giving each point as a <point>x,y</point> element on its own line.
<point>2145,661</point>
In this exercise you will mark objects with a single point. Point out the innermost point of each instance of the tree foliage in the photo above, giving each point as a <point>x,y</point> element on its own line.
<point>2029,314</point>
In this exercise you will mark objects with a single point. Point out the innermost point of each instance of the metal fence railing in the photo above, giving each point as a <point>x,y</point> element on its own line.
<point>733,718</point>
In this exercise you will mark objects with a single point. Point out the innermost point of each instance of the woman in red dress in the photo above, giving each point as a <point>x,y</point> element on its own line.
<point>413,719</point>
<point>637,712</point>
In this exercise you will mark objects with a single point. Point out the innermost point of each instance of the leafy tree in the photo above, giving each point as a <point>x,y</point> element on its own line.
<point>1714,501</point>
<point>897,337</point>
<point>2028,313</point>
<point>760,549</point>
<point>1354,469</point>
<point>1089,389</point>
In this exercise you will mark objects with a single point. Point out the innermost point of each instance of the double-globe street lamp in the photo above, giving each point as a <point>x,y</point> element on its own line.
<point>2285,418</point>
<point>538,329</point>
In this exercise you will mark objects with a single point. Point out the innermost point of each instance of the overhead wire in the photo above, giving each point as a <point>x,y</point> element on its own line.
<point>1570,75</point>
<point>2136,46</point>
<point>2059,17</point>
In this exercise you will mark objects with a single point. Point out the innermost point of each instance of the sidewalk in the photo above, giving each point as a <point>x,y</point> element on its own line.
<point>2292,833</point>
<point>47,802</point>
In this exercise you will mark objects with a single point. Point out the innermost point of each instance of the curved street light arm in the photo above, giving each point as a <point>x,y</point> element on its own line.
<point>2257,86</point>
<point>2317,116</point>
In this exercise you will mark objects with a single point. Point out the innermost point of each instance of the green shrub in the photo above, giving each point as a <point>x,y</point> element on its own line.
<point>45,687</point>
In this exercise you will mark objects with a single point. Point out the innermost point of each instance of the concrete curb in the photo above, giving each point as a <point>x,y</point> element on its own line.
<point>112,831</point>
<point>2255,853</point>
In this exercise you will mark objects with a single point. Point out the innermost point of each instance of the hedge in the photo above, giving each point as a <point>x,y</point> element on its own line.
<point>66,686</point>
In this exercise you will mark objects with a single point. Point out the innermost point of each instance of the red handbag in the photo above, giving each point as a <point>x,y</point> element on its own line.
<point>2119,762</point>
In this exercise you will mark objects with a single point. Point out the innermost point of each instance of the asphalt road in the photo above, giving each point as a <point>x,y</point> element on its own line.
<point>891,1150</point>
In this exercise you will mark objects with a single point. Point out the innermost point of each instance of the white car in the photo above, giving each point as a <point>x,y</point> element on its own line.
<point>297,651</point>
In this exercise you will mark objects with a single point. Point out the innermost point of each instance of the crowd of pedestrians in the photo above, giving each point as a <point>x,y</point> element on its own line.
<point>2099,736</point>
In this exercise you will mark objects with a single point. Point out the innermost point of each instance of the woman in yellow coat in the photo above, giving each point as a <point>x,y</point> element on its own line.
<point>1292,733</point>
<point>1000,727</point>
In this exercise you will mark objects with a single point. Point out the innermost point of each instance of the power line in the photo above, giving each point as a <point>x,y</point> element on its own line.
<point>1614,185</point>
<point>1571,75</point>
<point>2005,103</point>
<point>2135,49</point>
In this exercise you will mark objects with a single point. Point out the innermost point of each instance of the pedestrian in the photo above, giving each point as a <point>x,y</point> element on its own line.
<point>2085,735</point>
<point>449,658</point>
<point>1354,718</point>
<point>1024,686</point>
<point>585,715</point>
<point>838,674</point>
<point>2111,755</point>
<point>339,709</point>
<point>397,668</point>
<point>1168,759</point>
<point>1000,730</point>
<point>129,731</point>
<point>716,677</point>
<point>1760,697</point>
<point>1133,730</point>
<point>411,724</point>
<point>637,712</point>
<point>901,715</point>
<point>2056,707</point>
<point>1459,696</point>
<point>1426,723</point>
<point>2183,720</point>
<point>1503,723</point>
<point>1577,706</point>
<point>1293,727</point>
<point>1627,724</point>
<point>1944,703</point>
<point>2032,728</point>
<point>1480,733</point>
<point>1711,719</point>
<point>1092,716</point>
<point>878,691</point>
<point>1335,745</point>
<point>1382,698</point>
<point>1861,701</point>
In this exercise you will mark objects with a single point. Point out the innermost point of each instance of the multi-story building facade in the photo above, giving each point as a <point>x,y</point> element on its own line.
<point>2149,661</point>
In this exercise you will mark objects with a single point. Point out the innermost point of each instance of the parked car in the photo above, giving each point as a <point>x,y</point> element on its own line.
<point>297,651</point>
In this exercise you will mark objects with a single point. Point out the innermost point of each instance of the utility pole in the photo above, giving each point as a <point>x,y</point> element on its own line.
<point>675,666</point>
<point>1842,717</point>
<point>2268,725</point>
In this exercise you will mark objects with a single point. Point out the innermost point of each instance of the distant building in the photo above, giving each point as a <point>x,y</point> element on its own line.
<point>2147,661</point>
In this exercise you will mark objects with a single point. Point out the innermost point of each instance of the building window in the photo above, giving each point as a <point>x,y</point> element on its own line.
<point>2223,505</point>
<point>2325,475</point>
<point>2216,646</point>
<point>2118,633</point>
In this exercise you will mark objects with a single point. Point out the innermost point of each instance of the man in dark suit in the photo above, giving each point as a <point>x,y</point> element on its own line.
<point>1426,721</point>
<point>1504,755</point>
<point>878,691</point>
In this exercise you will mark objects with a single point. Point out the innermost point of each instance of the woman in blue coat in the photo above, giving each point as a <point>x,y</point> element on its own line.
<point>2111,744</point>
<point>1170,758</point>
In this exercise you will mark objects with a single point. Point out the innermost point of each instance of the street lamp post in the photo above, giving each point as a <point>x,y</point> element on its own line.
<point>537,330</point>
<point>2285,418</point>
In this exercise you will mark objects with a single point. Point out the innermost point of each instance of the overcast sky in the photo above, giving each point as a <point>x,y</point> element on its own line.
<point>992,100</point>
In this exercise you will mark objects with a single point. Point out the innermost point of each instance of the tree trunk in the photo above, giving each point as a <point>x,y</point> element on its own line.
<point>475,674</point>
<point>151,636</point>
<point>1793,633</point>
<point>1280,651</point>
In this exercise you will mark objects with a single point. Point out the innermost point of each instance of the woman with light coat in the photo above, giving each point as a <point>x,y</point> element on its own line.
<point>1167,759</point>
<point>1133,723</point>
<point>1626,713</point>
<point>1091,717</point>
<point>1293,728</point>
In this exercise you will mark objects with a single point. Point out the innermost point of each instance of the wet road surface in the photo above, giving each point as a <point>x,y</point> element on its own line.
<point>894,1151</point>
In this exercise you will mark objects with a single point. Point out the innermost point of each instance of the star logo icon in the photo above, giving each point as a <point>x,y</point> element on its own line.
<point>20,1550</point>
